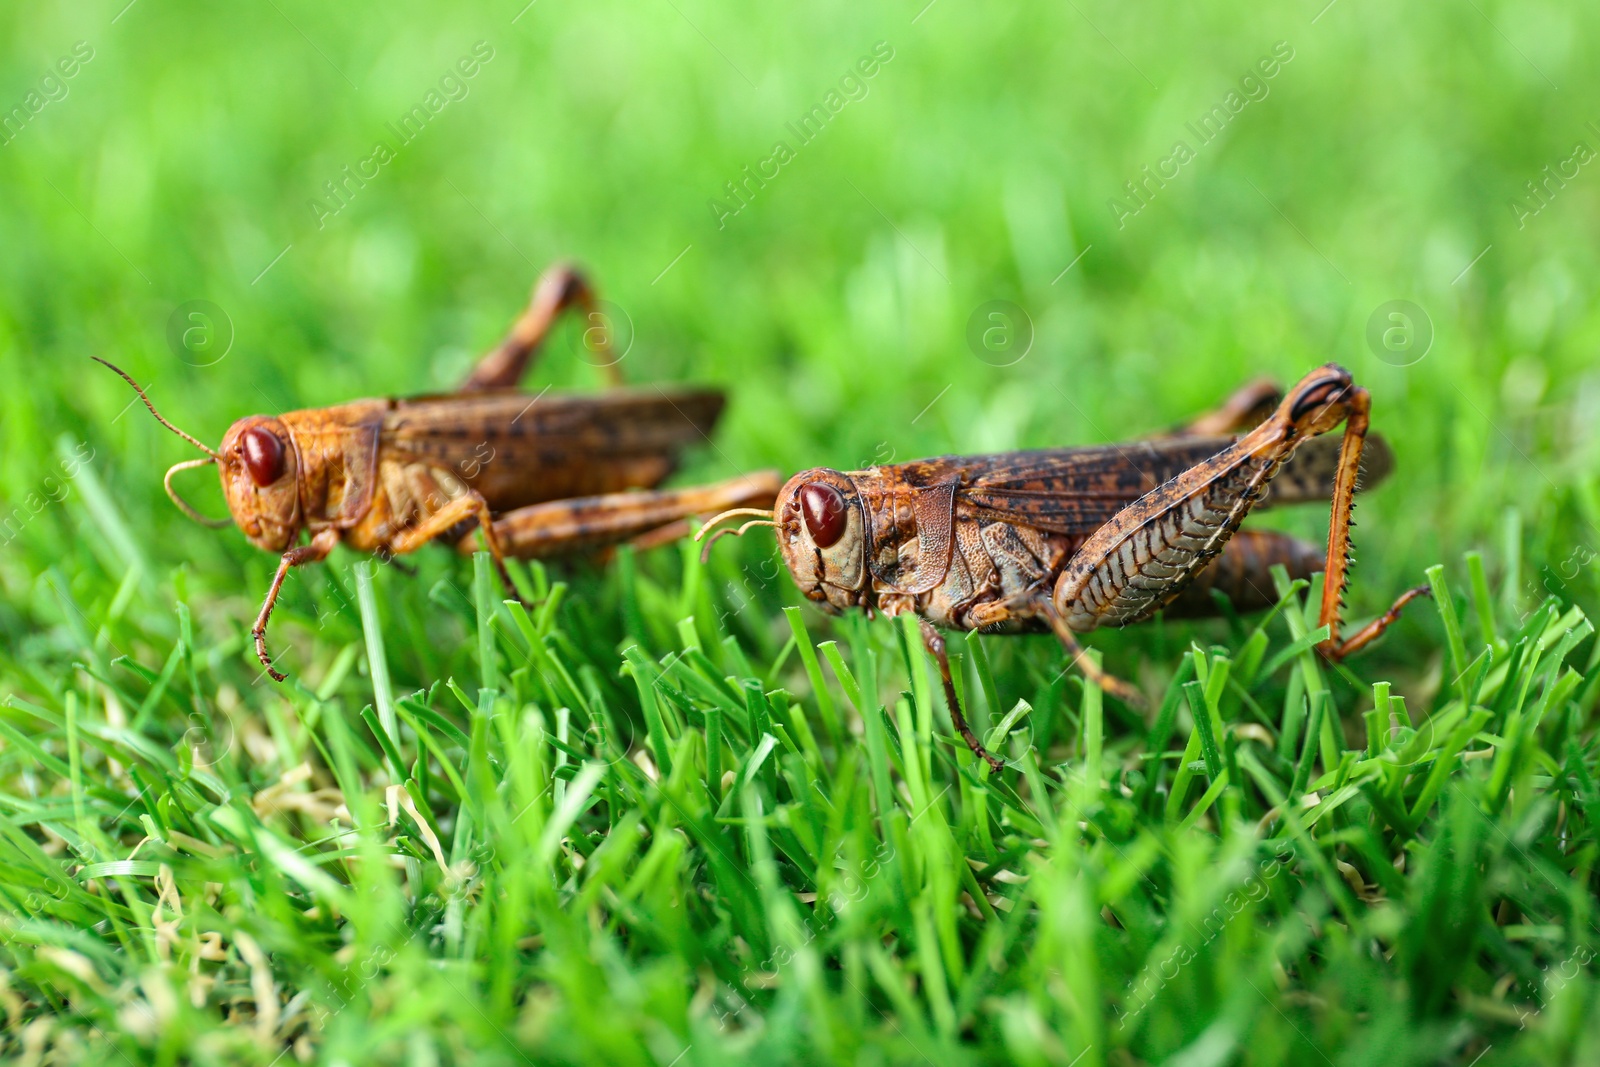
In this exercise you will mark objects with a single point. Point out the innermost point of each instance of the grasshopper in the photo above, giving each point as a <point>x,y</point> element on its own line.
<point>536,475</point>
<point>1070,540</point>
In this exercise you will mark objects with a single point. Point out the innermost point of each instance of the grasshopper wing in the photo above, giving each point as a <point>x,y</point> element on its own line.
<point>519,449</point>
<point>1075,491</point>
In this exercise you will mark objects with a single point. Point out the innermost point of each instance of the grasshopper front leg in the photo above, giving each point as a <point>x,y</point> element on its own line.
<point>470,506</point>
<point>1152,549</point>
<point>933,641</point>
<point>559,288</point>
<point>322,543</point>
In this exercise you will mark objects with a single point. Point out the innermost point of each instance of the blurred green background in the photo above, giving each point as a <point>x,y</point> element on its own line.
<point>982,160</point>
<point>1387,158</point>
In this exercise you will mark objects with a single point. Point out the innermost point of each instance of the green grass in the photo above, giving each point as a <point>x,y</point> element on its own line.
<point>664,814</point>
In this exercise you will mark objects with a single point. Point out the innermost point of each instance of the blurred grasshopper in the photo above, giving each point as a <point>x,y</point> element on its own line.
<point>1078,538</point>
<point>537,475</point>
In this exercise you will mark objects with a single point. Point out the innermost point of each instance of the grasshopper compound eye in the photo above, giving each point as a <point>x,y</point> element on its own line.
<point>824,511</point>
<point>263,455</point>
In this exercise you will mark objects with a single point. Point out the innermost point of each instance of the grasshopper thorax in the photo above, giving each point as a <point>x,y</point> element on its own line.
<point>259,467</point>
<point>822,533</point>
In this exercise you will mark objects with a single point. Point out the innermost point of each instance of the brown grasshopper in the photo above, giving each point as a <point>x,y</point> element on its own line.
<point>1069,540</point>
<point>537,475</point>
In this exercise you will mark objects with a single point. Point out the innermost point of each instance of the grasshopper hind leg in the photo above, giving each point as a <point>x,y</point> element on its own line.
<point>1349,646</point>
<point>561,287</point>
<point>1153,549</point>
<point>1248,407</point>
<point>642,517</point>
<point>1242,572</point>
<point>1338,572</point>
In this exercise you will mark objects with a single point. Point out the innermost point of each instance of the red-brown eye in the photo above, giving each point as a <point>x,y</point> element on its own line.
<point>263,455</point>
<point>824,511</point>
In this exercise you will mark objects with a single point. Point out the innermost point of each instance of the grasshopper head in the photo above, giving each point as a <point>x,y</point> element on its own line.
<point>259,464</point>
<point>822,532</point>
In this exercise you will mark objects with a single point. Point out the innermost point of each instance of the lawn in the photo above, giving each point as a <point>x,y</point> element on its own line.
<point>665,812</point>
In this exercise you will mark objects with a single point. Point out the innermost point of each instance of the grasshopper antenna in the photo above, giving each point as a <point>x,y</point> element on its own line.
<point>764,518</point>
<point>212,456</point>
<point>183,505</point>
<point>124,375</point>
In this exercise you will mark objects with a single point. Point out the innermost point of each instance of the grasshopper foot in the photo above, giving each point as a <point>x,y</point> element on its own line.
<point>512,592</point>
<point>1336,650</point>
<point>261,654</point>
<point>995,763</point>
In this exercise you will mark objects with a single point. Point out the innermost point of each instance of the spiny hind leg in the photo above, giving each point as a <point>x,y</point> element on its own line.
<point>561,287</point>
<point>1152,549</point>
<point>1373,630</point>
<point>1242,572</point>
<point>1149,552</point>
<point>1338,571</point>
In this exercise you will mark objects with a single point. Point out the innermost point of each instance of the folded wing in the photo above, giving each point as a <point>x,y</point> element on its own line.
<point>1077,490</point>
<point>521,448</point>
